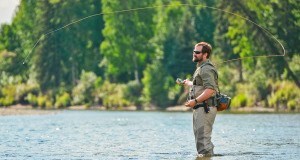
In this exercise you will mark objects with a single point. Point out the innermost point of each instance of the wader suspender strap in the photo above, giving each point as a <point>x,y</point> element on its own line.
<point>216,74</point>
<point>204,103</point>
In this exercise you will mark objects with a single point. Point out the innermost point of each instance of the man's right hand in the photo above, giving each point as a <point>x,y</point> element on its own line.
<point>187,82</point>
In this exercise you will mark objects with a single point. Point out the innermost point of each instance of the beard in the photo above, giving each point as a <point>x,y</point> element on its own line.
<point>196,59</point>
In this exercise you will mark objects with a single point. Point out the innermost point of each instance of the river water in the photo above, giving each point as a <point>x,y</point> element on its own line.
<point>146,135</point>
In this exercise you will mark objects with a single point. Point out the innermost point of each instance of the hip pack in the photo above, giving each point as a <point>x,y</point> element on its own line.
<point>223,101</point>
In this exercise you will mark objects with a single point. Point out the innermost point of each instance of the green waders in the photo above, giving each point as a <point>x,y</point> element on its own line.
<point>204,77</point>
<point>202,125</point>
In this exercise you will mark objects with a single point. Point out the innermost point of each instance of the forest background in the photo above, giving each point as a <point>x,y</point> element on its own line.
<point>132,54</point>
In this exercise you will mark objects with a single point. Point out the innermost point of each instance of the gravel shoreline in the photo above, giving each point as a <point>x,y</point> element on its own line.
<point>29,110</point>
<point>24,110</point>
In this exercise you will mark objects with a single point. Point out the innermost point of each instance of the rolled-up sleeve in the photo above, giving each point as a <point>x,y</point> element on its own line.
<point>208,78</point>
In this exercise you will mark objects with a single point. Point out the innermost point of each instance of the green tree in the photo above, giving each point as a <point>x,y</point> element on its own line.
<point>155,80</point>
<point>126,49</point>
<point>9,44</point>
<point>255,41</point>
<point>61,55</point>
<point>18,38</point>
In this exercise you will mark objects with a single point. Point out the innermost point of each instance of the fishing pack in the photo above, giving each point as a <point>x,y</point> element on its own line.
<point>223,101</point>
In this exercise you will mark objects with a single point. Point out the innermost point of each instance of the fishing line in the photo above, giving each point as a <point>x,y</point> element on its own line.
<point>43,36</point>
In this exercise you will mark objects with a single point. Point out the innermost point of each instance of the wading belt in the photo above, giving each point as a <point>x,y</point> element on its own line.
<point>205,105</point>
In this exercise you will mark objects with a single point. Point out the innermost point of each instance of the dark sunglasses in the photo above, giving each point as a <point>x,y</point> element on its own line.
<point>197,52</point>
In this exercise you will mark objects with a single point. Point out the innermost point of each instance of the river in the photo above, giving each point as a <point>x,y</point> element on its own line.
<point>146,135</point>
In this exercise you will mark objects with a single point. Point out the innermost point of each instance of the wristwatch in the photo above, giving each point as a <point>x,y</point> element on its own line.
<point>196,101</point>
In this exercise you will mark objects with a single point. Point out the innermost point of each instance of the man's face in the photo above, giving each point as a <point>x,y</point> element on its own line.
<point>197,54</point>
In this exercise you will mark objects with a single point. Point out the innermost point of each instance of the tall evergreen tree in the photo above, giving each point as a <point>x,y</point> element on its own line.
<point>47,59</point>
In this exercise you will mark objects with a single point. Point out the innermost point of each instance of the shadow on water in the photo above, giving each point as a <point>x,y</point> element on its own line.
<point>171,154</point>
<point>189,154</point>
<point>233,155</point>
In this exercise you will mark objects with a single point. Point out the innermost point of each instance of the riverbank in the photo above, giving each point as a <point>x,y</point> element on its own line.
<point>29,110</point>
<point>24,110</point>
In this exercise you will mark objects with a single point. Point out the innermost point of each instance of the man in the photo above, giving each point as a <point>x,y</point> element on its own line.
<point>202,99</point>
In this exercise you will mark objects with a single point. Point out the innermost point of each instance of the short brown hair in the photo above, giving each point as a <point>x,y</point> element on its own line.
<point>206,48</point>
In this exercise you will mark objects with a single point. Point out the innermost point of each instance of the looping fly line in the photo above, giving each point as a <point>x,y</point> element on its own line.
<point>145,8</point>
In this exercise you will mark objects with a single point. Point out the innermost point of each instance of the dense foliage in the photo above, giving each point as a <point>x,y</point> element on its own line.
<point>130,52</point>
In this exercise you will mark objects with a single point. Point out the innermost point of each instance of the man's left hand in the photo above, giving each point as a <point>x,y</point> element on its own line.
<point>190,103</point>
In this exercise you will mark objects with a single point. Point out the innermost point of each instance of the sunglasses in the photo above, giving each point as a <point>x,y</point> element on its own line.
<point>197,52</point>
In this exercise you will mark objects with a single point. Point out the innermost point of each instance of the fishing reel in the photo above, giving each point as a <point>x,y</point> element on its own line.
<point>179,81</point>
